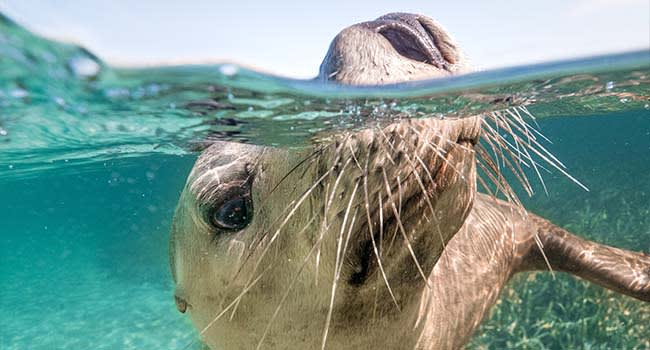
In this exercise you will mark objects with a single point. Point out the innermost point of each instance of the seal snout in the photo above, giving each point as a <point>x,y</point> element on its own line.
<point>413,36</point>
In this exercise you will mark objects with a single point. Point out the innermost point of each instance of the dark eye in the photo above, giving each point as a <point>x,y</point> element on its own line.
<point>233,215</point>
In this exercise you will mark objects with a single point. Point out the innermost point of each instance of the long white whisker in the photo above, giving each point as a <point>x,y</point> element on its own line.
<point>403,231</point>
<point>233,303</point>
<point>291,284</point>
<point>338,263</point>
<point>371,235</point>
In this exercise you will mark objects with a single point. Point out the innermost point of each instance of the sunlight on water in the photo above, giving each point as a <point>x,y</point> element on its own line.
<point>62,106</point>
<point>92,160</point>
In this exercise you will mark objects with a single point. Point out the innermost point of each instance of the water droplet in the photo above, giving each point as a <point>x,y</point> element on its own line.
<point>153,89</point>
<point>84,67</point>
<point>3,132</point>
<point>117,92</point>
<point>18,93</point>
<point>228,69</point>
<point>609,86</point>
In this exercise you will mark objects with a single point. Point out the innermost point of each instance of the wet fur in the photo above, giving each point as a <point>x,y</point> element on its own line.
<point>379,239</point>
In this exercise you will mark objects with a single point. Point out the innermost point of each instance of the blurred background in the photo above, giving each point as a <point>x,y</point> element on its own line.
<point>290,38</point>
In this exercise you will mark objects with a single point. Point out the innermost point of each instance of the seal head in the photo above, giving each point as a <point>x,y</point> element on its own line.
<point>378,238</point>
<point>341,238</point>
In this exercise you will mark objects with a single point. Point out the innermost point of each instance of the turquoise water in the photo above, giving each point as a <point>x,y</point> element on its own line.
<point>92,160</point>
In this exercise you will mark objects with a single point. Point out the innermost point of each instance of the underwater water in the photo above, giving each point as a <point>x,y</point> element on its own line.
<point>93,159</point>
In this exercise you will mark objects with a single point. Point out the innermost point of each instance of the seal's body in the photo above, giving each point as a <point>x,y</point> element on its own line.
<point>377,240</point>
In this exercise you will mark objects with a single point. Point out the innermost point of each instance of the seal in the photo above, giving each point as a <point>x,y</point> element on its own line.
<point>379,238</point>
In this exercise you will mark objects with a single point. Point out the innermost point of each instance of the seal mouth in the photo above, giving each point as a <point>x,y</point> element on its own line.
<point>469,133</point>
<point>424,158</point>
<point>411,38</point>
<point>467,140</point>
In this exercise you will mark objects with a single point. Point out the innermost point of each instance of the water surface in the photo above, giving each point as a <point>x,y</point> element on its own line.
<point>93,158</point>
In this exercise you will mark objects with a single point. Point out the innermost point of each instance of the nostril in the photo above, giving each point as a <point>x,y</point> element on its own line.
<point>409,38</point>
<point>181,304</point>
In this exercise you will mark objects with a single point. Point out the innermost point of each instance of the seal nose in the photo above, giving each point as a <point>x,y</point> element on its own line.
<point>409,37</point>
<point>181,304</point>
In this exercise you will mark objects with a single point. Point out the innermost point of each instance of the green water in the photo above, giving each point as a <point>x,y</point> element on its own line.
<point>91,166</point>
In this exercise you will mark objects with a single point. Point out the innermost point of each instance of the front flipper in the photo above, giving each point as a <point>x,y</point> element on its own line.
<point>620,270</point>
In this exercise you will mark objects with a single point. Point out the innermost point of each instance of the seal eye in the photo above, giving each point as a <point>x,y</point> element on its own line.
<point>233,215</point>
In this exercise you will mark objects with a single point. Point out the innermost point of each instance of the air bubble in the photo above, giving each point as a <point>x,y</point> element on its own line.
<point>84,67</point>
<point>228,70</point>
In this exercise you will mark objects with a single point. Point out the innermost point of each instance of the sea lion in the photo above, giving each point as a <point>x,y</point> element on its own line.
<point>379,238</point>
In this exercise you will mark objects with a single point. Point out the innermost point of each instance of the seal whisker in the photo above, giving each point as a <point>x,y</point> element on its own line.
<point>518,171</point>
<point>496,135</point>
<point>338,264</point>
<point>559,168</point>
<point>529,143</point>
<point>388,153</point>
<point>425,193</point>
<point>291,284</point>
<point>403,231</point>
<point>494,174</point>
<point>233,303</point>
<point>310,157</point>
<point>381,244</point>
<point>520,157</point>
<point>535,129</point>
<point>438,149</point>
<point>389,143</point>
<point>496,177</point>
<point>532,144</point>
<point>525,129</point>
<point>524,109</point>
<point>372,237</point>
<point>324,224</point>
<point>291,210</point>
<point>526,145</point>
<point>484,184</point>
<point>295,204</point>
<point>287,218</point>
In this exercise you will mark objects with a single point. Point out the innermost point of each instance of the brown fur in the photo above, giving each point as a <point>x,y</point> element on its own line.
<point>379,239</point>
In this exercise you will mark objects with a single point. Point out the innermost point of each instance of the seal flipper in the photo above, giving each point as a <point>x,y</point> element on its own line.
<point>620,270</point>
